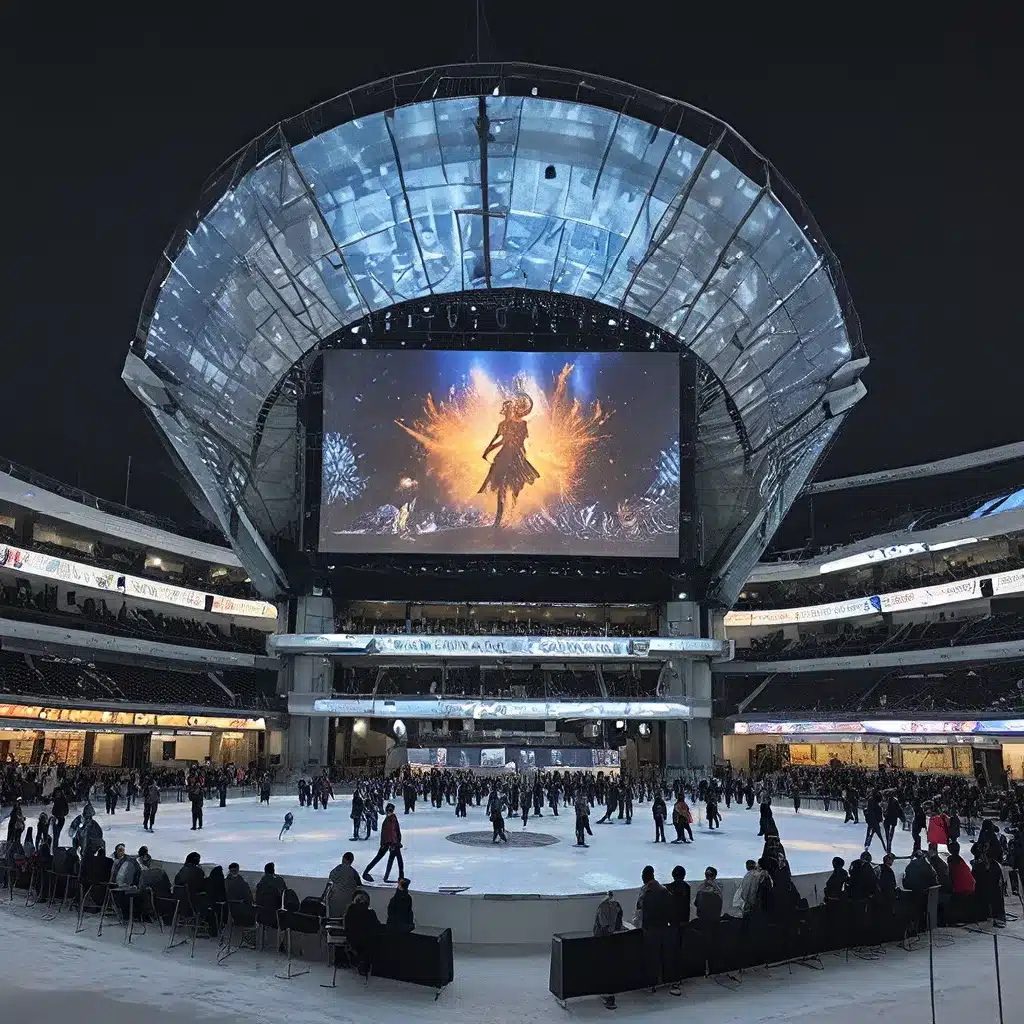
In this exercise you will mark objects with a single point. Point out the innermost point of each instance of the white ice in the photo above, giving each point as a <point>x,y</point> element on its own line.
<point>247,832</point>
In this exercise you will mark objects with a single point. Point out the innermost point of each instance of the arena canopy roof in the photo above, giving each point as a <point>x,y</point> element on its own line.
<point>481,177</point>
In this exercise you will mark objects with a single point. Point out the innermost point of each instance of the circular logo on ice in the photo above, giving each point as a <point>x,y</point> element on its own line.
<point>520,840</point>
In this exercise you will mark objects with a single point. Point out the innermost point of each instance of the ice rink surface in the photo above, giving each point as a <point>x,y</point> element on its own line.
<point>247,832</point>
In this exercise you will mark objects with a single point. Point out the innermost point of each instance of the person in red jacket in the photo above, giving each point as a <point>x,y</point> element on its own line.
<point>960,871</point>
<point>390,843</point>
<point>938,828</point>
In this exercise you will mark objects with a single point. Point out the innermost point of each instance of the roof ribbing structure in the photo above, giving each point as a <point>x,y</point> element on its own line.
<point>469,178</point>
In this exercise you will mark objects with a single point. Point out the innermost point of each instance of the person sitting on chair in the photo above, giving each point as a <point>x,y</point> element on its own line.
<point>236,888</point>
<point>270,882</point>
<point>361,928</point>
<point>344,883</point>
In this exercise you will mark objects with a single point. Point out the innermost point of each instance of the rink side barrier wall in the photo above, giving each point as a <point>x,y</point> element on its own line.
<point>480,919</point>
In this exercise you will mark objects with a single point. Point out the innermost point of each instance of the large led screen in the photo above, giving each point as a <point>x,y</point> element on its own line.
<point>528,453</point>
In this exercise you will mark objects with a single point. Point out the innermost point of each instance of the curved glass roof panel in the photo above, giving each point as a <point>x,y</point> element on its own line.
<point>663,212</point>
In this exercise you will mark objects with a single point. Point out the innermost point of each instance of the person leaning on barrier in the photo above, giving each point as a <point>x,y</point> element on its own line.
<point>708,899</point>
<point>400,916</point>
<point>654,915</point>
<point>608,921</point>
<point>919,875</point>
<point>679,889</point>
<point>743,899</point>
<point>887,887</point>
<point>835,887</point>
<point>863,883</point>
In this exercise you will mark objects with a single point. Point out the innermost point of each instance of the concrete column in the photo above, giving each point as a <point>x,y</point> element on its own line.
<point>688,744</point>
<point>307,736</point>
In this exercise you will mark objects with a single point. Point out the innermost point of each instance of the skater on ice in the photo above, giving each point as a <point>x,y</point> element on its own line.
<point>288,819</point>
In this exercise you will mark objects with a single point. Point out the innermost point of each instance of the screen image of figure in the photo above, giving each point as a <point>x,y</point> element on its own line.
<point>530,453</point>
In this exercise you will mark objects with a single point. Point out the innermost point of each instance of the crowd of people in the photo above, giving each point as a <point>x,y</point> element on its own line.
<point>939,811</point>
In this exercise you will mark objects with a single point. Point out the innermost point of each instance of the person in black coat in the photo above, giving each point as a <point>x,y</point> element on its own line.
<point>611,804</point>
<point>57,816</point>
<point>659,810</point>
<point>711,810</point>
<point>863,883</point>
<point>887,887</point>
<point>767,822</point>
<point>655,915</point>
<point>679,889</point>
<point>361,928</point>
<point>873,819</point>
<point>357,813</point>
<point>838,881</point>
<point>409,795</point>
<point>919,822</point>
<point>195,795</point>
<point>400,916</point>
<point>893,815</point>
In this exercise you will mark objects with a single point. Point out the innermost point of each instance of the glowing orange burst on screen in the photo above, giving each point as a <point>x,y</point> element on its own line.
<point>563,435</point>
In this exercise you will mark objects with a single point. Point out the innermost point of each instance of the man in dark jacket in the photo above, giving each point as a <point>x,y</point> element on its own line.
<point>887,886</point>
<point>679,889</point>
<point>400,916</point>
<point>873,819</point>
<point>863,883</point>
<point>57,816</point>
<point>893,815</point>
<point>195,795</point>
<point>838,881</point>
<point>150,802</point>
<point>655,909</point>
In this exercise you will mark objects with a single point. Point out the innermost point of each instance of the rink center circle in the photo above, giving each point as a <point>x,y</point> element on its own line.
<point>520,840</point>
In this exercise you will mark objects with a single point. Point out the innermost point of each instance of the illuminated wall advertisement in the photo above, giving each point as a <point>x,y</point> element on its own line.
<point>525,759</point>
<point>535,453</point>
<point>501,709</point>
<point>1011,582</point>
<point>890,727</point>
<point>86,717</point>
<point>34,563</point>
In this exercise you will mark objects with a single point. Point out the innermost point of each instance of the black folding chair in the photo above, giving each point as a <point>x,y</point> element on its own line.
<point>241,918</point>
<point>65,874</point>
<point>305,924</point>
<point>95,879</point>
<point>266,917</point>
<point>337,947</point>
<point>191,918</point>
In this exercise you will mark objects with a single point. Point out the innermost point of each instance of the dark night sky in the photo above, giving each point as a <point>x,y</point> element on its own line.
<point>904,147</point>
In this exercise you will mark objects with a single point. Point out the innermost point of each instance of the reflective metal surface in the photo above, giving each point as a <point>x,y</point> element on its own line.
<point>504,177</point>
